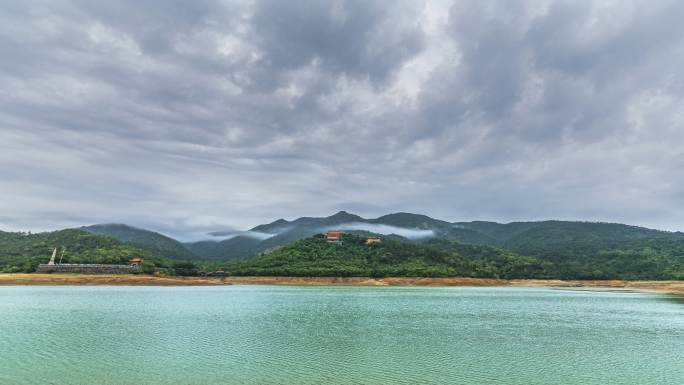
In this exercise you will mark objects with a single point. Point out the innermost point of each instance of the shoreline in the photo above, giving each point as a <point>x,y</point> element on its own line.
<point>669,287</point>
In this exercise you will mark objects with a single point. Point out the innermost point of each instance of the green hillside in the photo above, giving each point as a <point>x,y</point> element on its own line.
<point>145,239</point>
<point>645,258</point>
<point>285,232</point>
<point>556,238</point>
<point>604,250</point>
<point>21,252</point>
<point>498,232</point>
<point>544,239</point>
<point>578,249</point>
<point>235,248</point>
<point>535,236</point>
<point>316,257</point>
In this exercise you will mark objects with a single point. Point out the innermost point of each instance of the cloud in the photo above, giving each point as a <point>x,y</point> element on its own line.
<point>233,233</point>
<point>189,118</point>
<point>385,229</point>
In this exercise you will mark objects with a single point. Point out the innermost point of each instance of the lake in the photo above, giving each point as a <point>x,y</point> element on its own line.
<point>345,335</point>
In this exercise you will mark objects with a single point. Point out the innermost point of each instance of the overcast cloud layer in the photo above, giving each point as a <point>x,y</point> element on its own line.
<point>200,116</point>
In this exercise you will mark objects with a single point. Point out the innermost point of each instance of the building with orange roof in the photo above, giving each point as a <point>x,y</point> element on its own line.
<point>334,236</point>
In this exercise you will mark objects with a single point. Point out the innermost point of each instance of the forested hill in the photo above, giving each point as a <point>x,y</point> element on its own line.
<point>353,257</point>
<point>517,233</point>
<point>568,255</point>
<point>588,249</point>
<point>440,258</point>
<point>239,247</point>
<point>21,252</point>
<point>543,238</point>
<point>582,250</point>
<point>145,239</point>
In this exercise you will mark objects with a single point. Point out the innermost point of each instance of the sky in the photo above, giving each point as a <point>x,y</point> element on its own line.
<point>189,117</point>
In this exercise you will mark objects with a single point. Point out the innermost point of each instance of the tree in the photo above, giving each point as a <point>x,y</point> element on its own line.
<point>184,268</point>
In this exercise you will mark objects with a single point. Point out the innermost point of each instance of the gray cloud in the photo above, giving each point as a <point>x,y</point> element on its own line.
<point>192,117</point>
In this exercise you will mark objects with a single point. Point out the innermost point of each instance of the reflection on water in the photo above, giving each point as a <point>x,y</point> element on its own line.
<point>679,299</point>
<point>277,334</point>
<point>598,289</point>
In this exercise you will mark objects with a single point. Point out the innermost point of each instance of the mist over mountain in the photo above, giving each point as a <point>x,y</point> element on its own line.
<point>567,249</point>
<point>544,239</point>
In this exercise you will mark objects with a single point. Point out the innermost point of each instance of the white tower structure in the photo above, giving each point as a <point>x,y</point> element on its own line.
<point>52,260</point>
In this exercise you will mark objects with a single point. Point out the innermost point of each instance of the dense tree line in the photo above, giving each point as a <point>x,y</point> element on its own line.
<point>645,258</point>
<point>353,257</point>
<point>603,251</point>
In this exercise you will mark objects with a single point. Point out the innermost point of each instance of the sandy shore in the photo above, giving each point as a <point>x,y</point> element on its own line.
<point>673,287</point>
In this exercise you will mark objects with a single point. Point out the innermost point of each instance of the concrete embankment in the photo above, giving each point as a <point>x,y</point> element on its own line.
<point>102,279</point>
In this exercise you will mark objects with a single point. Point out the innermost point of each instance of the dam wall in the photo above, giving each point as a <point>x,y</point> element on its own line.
<point>87,268</point>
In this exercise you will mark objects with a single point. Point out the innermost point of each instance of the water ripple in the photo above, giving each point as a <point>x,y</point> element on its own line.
<point>345,335</point>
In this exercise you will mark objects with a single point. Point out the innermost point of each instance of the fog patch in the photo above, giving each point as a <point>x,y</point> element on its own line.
<point>228,234</point>
<point>386,230</point>
<point>275,230</point>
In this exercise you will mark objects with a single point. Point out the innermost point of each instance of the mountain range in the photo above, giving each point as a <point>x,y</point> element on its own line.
<point>549,239</point>
<point>413,244</point>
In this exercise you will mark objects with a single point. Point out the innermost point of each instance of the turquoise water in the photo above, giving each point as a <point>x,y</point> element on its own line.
<point>346,335</point>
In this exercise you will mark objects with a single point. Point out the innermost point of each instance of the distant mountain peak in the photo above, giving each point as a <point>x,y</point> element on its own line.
<point>411,220</point>
<point>404,214</point>
<point>112,224</point>
<point>142,238</point>
<point>343,215</point>
<point>271,227</point>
